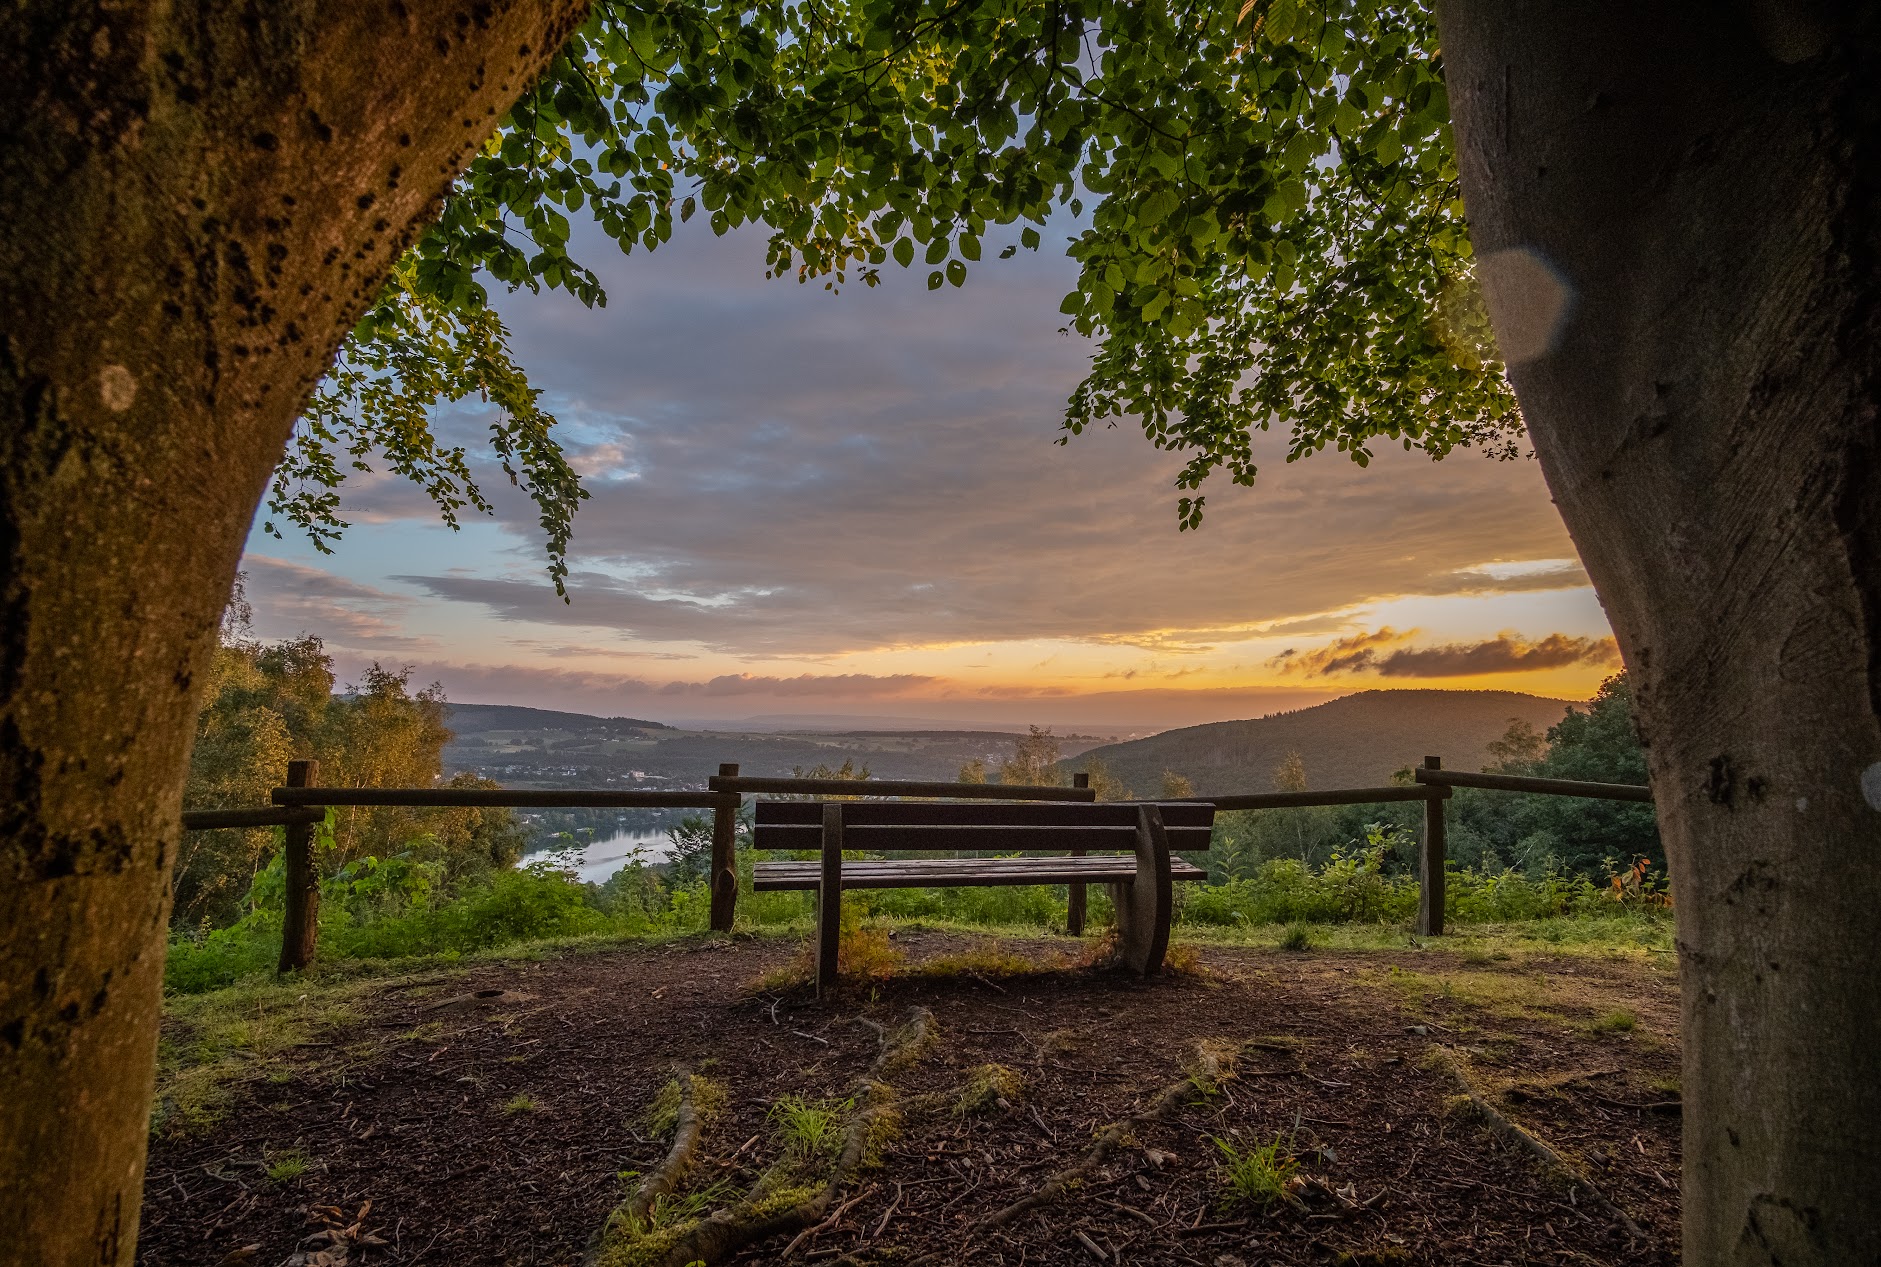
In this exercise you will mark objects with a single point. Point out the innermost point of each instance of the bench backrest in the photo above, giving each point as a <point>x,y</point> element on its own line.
<point>903,826</point>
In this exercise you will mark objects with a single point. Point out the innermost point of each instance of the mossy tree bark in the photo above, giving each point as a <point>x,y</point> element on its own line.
<point>1695,190</point>
<point>199,199</point>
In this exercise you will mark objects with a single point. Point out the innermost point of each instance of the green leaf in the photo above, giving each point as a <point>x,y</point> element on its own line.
<point>904,252</point>
<point>1157,207</point>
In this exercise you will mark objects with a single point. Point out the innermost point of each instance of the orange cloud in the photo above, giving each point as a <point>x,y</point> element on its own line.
<point>1505,653</point>
<point>1347,655</point>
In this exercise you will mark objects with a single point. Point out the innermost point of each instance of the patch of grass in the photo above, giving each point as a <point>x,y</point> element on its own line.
<point>214,1044</point>
<point>863,953</point>
<point>808,1131</point>
<point>1667,1085</point>
<point>286,1166</point>
<point>523,1103</point>
<point>1060,1041</point>
<point>1258,1174</point>
<point>631,1242</point>
<point>1185,960</point>
<point>1619,933</point>
<point>1298,937</point>
<point>1619,1020</point>
<point>676,1209</point>
<point>987,959</point>
<point>1505,995</point>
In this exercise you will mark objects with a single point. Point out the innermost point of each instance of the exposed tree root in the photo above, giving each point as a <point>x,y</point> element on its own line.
<point>1213,1064</point>
<point>776,1204</point>
<point>688,1126</point>
<point>682,1107</point>
<point>1549,1158</point>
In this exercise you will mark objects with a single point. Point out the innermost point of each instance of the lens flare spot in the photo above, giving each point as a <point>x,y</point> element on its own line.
<point>1528,302</point>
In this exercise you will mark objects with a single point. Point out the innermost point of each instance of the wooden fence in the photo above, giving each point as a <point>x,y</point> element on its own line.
<point>302,804</point>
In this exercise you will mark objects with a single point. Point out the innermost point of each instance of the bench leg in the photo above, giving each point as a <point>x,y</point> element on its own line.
<point>829,900</point>
<point>1146,905</point>
<point>1074,904</point>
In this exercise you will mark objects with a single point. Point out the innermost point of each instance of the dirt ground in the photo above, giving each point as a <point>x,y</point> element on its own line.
<point>487,1114</point>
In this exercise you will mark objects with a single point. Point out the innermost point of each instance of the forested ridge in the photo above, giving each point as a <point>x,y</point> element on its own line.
<point>1354,741</point>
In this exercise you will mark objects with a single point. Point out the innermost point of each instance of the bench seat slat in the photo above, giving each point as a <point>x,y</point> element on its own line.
<point>960,872</point>
<point>887,839</point>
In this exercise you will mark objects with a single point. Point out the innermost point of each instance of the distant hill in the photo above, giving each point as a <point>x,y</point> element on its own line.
<point>1356,741</point>
<point>536,747</point>
<point>470,719</point>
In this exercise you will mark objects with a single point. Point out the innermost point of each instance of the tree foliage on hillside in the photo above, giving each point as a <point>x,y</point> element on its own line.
<point>1034,760</point>
<point>1488,831</point>
<point>1266,214</point>
<point>271,703</point>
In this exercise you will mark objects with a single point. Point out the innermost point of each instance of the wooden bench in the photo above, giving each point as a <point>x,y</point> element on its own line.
<point>1141,876</point>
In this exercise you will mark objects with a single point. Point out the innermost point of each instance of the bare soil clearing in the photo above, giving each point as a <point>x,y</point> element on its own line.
<point>486,1114</point>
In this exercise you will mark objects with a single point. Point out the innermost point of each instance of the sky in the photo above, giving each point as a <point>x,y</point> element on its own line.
<point>854,507</point>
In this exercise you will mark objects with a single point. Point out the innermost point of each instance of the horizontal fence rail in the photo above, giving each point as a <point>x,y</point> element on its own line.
<point>1546,787</point>
<point>260,816</point>
<point>1333,796</point>
<point>898,787</point>
<point>499,798</point>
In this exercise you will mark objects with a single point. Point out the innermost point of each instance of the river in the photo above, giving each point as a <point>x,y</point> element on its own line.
<point>602,858</point>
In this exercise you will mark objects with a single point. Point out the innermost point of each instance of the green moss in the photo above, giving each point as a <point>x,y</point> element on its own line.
<point>988,1087</point>
<point>708,1097</point>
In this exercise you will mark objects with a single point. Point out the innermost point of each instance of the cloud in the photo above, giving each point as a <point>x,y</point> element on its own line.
<point>1505,653</point>
<point>290,599</point>
<point>579,651</point>
<point>837,685</point>
<point>1346,655</point>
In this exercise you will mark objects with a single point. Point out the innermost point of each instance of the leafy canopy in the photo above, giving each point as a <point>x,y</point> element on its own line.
<point>1268,224</point>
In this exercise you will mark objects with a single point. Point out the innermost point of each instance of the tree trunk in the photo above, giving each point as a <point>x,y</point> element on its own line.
<point>1697,186</point>
<point>198,200</point>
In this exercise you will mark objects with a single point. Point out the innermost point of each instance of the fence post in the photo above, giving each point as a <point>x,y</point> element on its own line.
<point>725,859</point>
<point>1431,879</point>
<point>1074,901</point>
<point>300,926</point>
